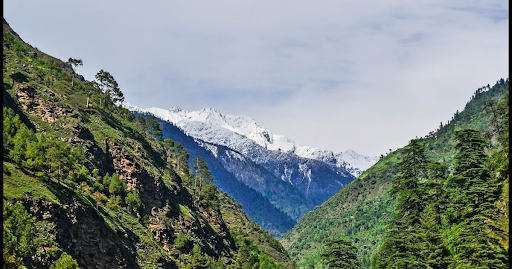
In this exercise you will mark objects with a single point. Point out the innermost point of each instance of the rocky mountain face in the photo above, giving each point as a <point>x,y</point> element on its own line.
<point>100,188</point>
<point>222,161</point>
<point>292,177</point>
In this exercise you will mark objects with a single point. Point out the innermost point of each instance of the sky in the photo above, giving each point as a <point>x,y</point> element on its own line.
<point>333,74</point>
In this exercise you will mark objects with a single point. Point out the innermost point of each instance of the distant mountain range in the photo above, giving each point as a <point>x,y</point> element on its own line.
<point>248,160</point>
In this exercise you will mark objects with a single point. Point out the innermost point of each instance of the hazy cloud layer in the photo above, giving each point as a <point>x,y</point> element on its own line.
<point>366,75</point>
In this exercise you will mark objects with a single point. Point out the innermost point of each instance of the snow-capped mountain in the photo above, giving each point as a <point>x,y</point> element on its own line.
<point>258,167</point>
<point>212,126</point>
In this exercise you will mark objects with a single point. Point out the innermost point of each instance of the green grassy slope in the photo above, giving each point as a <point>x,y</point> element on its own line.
<point>74,207</point>
<point>360,210</point>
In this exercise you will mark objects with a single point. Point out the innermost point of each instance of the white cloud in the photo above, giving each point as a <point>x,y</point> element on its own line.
<point>332,74</point>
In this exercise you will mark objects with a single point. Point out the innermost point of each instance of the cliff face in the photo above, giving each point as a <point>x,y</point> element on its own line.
<point>158,218</point>
<point>79,231</point>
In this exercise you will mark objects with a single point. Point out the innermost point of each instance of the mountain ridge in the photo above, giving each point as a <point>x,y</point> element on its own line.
<point>90,185</point>
<point>360,210</point>
<point>248,127</point>
<point>293,184</point>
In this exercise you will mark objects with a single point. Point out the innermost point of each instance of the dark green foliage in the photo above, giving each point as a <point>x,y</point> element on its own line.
<point>473,194</point>
<point>114,202</point>
<point>203,181</point>
<point>432,247</point>
<point>106,83</point>
<point>177,153</point>
<point>36,153</point>
<point>133,202</point>
<point>180,242</point>
<point>198,259</point>
<point>361,209</point>
<point>435,197</point>
<point>142,122</point>
<point>340,253</point>
<point>153,127</point>
<point>125,114</point>
<point>503,110</point>
<point>468,203</point>
<point>21,139</point>
<point>74,64</point>
<point>19,237</point>
<point>405,186</point>
<point>116,186</point>
<point>469,170</point>
<point>401,247</point>
<point>249,256</point>
<point>200,169</point>
<point>150,125</point>
<point>65,262</point>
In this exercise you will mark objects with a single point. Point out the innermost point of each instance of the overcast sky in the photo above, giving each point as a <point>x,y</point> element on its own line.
<point>336,74</point>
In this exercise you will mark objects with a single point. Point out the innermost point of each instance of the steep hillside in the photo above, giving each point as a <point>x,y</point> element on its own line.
<point>361,209</point>
<point>257,206</point>
<point>103,189</point>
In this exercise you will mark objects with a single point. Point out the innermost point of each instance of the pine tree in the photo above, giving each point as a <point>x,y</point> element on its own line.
<point>115,186</point>
<point>142,122</point>
<point>153,127</point>
<point>106,83</point>
<point>477,242</point>
<point>401,248</point>
<point>432,246</point>
<point>133,201</point>
<point>435,196</point>
<point>74,64</point>
<point>201,174</point>
<point>340,253</point>
<point>19,238</point>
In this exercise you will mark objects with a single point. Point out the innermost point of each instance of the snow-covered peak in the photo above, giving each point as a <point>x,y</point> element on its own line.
<point>242,125</point>
<point>175,109</point>
<point>357,160</point>
<point>131,107</point>
<point>211,125</point>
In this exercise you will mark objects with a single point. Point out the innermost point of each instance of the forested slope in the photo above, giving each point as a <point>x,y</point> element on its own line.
<point>85,184</point>
<point>361,210</point>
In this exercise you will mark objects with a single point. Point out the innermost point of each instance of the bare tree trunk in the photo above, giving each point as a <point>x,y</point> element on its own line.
<point>200,189</point>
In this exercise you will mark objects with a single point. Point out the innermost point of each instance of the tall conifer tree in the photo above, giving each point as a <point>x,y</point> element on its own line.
<point>402,247</point>
<point>473,194</point>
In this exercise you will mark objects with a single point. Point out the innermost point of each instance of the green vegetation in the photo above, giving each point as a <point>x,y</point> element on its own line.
<point>111,94</point>
<point>253,241</point>
<point>74,64</point>
<point>413,232</point>
<point>450,223</point>
<point>18,185</point>
<point>340,253</point>
<point>100,184</point>
<point>65,262</point>
<point>362,210</point>
<point>19,239</point>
